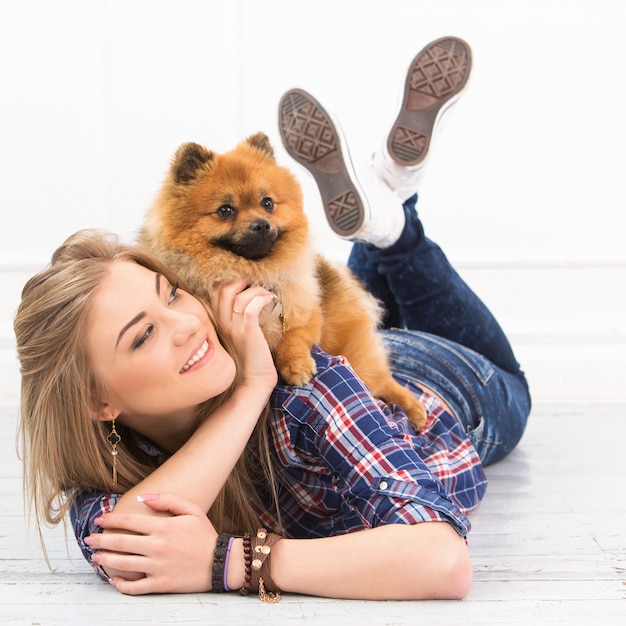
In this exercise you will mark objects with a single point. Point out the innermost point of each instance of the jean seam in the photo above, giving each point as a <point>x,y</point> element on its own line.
<point>466,384</point>
<point>483,379</point>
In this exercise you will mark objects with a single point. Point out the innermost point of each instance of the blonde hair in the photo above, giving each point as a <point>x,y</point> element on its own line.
<point>64,450</point>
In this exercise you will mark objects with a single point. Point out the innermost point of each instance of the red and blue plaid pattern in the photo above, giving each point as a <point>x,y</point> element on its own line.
<point>349,461</point>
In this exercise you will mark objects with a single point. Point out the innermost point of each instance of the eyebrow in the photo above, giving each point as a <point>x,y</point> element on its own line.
<point>139,316</point>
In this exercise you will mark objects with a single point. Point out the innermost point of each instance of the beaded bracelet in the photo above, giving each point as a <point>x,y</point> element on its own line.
<point>217,578</point>
<point>247,557</point>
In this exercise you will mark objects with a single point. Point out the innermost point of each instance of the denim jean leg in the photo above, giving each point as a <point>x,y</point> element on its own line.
<point>424,292</point>
<point>453,344</point>
<point>364,264</point>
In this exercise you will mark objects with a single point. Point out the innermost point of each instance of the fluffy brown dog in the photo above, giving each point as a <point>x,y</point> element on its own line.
<point>221,217</point>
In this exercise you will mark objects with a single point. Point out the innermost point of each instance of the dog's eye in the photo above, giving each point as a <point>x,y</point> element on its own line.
<point>267,204</point>
<point>226,212</point>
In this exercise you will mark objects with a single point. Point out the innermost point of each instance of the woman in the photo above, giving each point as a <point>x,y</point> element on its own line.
<point>137,397</point>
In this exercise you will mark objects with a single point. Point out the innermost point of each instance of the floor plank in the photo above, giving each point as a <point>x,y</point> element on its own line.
<point>548,546</point>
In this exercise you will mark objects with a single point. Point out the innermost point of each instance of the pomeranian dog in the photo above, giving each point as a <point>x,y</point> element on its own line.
<point>222,217</point>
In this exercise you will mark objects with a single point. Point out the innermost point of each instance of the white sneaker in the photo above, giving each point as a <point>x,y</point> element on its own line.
<point>359,208</point>
<point>435,80</point>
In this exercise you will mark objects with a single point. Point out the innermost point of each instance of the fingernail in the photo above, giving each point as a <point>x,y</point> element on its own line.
<point>88,541</point>
<point>112,582</point>
<point>147,497</point>
<point>98,521</point>
<point>95,558</point>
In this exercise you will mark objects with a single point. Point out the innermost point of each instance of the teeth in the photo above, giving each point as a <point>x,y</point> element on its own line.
<point>196,357</point>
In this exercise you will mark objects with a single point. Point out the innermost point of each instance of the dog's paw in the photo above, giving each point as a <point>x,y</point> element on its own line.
<point>397,394</point>
<point>297,371</point>
<point>417,415</point>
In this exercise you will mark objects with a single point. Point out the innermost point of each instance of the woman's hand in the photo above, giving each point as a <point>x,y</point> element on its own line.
<point>237,307</point>
<point>165,554</point>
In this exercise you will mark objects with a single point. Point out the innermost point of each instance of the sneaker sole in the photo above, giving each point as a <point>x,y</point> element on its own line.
<point>312,139</point>
<point>435,80</point>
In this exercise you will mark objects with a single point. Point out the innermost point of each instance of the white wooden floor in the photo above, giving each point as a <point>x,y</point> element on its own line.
<point>548,546</point>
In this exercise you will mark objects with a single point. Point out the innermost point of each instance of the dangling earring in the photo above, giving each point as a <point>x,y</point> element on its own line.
<point>114,439</point>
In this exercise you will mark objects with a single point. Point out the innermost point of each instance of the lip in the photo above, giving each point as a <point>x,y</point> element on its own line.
<point>207,349</point>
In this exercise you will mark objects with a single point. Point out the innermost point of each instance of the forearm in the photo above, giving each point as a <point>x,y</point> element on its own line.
<point>427,560</point>
<point>424,561</point>
<point>199,469</point>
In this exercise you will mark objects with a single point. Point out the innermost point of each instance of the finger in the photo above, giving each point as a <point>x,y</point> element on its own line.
<point>131,565</point>
<point>129,522</point>
<point>172,503</point>
<point>252,301</point>
<point>136,587</point>
<point>145,585</point>
<point>247,306</point>
<point>227,300</point>
<point>243,299</point>
<point>258,303</point>
<point>118,542</point>
<point>224,294</point>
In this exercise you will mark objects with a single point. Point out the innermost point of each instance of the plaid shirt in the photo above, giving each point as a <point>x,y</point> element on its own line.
<point>347,461</point>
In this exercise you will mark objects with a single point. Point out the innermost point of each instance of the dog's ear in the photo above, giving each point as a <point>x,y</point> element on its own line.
<point>261,142</point>
<point>187,160</point>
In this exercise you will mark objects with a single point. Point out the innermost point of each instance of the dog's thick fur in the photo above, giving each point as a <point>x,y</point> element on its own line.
<point>221,217</point>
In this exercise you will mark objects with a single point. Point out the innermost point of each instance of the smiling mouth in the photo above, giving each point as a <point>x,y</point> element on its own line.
<point>197,356</point>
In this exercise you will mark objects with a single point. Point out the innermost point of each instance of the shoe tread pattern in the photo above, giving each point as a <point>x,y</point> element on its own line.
<point>311,139</point>
<point>436,75</point>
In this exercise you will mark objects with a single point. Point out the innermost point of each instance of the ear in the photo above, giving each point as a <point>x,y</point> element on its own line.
<point>187,160</point>
<point>104,412</point>
<point>261,142</point>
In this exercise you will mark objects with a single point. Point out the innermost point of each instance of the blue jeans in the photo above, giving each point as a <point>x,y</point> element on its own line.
<point>440,334</point>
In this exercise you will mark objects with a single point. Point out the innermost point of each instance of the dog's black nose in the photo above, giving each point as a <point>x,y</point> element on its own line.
<point>260,227</point>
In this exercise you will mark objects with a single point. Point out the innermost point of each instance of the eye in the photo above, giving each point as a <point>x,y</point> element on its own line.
<point>267,204</point>
<point>143,338</point>
<point>226,212</point>
<point>174,295</point>
<point>147,334</point>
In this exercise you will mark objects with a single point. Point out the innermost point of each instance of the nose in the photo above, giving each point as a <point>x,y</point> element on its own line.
<point>260,227</point>
<point>183,326</point>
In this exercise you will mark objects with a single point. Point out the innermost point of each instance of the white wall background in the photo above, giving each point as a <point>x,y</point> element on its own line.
<point>525,186</point>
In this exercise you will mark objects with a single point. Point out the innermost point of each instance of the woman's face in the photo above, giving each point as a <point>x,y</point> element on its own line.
<point>156,351</point>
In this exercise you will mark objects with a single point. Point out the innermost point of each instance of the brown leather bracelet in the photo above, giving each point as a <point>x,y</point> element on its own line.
<point>261,580</point>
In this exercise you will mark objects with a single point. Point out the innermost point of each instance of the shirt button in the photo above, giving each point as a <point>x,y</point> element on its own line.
<point>383,485</point>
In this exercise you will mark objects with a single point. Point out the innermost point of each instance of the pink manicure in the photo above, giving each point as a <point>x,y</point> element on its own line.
<point>147,497</point>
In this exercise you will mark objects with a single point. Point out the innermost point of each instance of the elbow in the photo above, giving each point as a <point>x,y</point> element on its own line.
<point>447,569</point>
<point>435,565</point>
<point>454,574</point>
